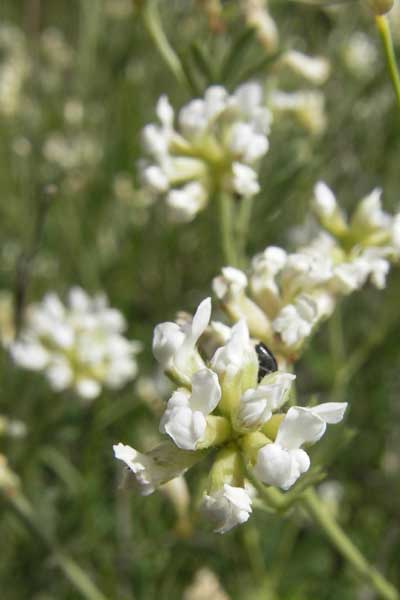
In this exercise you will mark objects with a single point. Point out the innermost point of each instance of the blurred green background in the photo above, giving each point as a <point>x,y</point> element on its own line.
<point>70,139</point>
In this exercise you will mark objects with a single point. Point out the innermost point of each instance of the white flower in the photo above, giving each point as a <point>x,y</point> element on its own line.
<point>236,353</point>
<point>155,178</point>
<point>78,345</point>
<point>185,417</point>
<point>29,355</point>
<point>305,270</point>
<point>307,106</point>
<point>258,17</point>
<point>157,466</point>
<point>246,144</point>
<point>281,463</point>
<point>360,55</point>
<point>215,144</point>
<point>324,200</point>
<point>227,507</point>
<point>350,276</point>
<point>315,69</point>
<point>245,180</point>
<point>174,346</point>
<point>230,284</point>
<point>186,202</point>
<point>369,213</point>
<point>295,321</point>
<point>378,265</point>
<point>257,404</point>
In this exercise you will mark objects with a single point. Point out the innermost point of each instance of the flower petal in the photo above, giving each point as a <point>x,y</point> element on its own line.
<point>280,467</point>
<point>300,426</point>
<point>206,391</point>
<point>330,412</point>
<point>227,507</point>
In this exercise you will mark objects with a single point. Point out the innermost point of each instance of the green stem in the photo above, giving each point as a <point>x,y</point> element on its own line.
<point>244,216</point>
<point>382,24</point>
<point>152,22</point>
<point>72,571</point>
<point>345,546</point>
<point>227,229</point>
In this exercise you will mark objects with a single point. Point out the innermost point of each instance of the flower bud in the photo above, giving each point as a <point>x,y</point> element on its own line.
<point>380,7</point>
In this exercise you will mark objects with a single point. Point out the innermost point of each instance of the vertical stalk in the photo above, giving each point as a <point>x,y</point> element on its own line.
<point>152,22</point>
<point>345,546</point>
<point>382,24</point>
<point>227,229</point>
<point>243,225</point>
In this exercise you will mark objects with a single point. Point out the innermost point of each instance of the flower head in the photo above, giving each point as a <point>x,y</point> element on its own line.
<point>79,345</point>
<point>213,144</point>
<point>285,295</point>
<point>223,403</point>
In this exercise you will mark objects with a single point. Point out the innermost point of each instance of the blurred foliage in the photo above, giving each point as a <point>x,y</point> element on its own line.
<point>91,79</point>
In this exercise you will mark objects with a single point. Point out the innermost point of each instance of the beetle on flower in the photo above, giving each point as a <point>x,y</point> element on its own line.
<point>220,405</point>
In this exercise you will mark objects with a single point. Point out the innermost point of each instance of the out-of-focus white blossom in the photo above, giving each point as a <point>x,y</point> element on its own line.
<point>79,345</point>
<point>314,68</point>
<point>361,55</point>
<point>230,405</point>
<point>12,427</point>
<point>306,106</point>
<point>213,144</point>
<point>72,152</point>
<point>205,585</point>
<point>258,17</point>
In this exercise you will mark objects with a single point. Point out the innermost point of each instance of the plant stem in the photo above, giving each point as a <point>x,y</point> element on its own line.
<point>244,216</point>
<point>72,571</point>
<point>345,546</point>
<point>227,230</point>
<point>382,24</point>
<point>152,22</point>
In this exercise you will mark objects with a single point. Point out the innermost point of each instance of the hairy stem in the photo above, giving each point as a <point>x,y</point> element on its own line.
<point>345,546</point>
<point>382,24</point>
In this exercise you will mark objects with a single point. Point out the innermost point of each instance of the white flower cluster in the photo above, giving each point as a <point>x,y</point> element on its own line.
<point>215,146</point>
<point>305,105</point>
<point>226,403</point>
<point>286,294</point>
<point>79,346</point>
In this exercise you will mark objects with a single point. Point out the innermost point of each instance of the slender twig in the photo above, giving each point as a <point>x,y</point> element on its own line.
<point>345,546</point>
<point>382,24</point>
<point>152,22</point>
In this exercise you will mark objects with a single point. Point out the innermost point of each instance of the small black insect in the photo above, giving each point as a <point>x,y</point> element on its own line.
<point>266,361</point>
